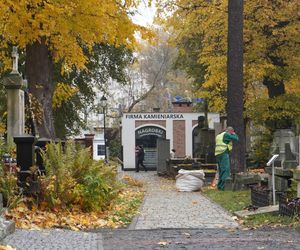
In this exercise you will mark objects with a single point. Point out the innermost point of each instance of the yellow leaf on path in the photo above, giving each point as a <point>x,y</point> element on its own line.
<point>74,228</point>
<point>7,247</point>
<point>231,230</point>
<point>162,243</point>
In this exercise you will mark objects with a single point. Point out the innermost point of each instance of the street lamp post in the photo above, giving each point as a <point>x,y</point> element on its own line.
<point>103,103</point>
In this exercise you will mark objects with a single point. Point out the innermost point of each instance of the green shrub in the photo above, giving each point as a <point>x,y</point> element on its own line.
<point>9,188</point>
<point>115,148</point>
<point>73,178</point>
<point>261,144</point>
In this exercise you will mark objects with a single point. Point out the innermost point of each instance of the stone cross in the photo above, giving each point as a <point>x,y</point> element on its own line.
<point>15,57</point>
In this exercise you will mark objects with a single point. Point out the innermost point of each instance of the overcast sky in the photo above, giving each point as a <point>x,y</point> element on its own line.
<point>145,15</point>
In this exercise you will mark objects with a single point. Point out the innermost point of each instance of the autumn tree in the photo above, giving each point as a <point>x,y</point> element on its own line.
<point>270,34</point>
<point>106,63</point>
<point>152,78</point>
<point>57,32</point>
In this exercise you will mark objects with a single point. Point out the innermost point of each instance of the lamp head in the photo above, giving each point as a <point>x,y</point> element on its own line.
<point>103,101</point>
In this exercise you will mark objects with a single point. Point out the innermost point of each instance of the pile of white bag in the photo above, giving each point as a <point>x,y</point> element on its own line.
<point>189,180</point>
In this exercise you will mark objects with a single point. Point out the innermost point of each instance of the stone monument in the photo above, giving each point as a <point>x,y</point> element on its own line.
<point>15,86</point>
<point>285,144</point>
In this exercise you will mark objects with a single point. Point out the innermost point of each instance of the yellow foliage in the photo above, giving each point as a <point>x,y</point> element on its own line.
<point>268,26</point>
<point>2,129</point>
<point>62,93</point>
<point>66,25</point>
<point>131,181</point>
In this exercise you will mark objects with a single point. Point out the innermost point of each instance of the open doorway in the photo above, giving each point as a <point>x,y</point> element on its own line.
<point>147,136</point>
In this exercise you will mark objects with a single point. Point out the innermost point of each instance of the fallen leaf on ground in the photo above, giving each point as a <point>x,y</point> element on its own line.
<point>7,247</point>
<point>162,243</point>
<point>231,230</point>
<point>117,214</point>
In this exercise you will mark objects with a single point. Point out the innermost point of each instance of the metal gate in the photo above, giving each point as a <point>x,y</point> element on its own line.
<point>150,159</point>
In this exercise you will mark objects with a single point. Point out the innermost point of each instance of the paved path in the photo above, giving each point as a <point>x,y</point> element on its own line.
<point>193,222</point>
<point>54,239</point>
<point>164,207</point>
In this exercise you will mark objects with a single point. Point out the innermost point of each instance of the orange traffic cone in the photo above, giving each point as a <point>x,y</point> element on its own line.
<point>215,181</point>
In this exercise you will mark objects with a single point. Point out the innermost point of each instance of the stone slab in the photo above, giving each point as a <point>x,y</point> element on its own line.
<point>280,172</point>
<point>6,228</point>
<point>260,210</point>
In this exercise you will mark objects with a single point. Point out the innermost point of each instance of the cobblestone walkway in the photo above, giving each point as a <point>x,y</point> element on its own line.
<point>164,207</point>
<point>54,239</point>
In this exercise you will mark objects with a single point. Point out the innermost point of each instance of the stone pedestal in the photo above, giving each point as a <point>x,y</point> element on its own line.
<point>282,178</point>
<point>14,85</point>
<point>25,155</point>
<point>244,180</point>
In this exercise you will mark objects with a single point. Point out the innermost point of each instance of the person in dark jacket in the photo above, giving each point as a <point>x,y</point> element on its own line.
<point>140,158</point>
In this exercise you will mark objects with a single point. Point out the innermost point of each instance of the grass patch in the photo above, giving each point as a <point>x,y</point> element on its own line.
<point>231,201</point>
<point>238,200</point>
<point>270,219</point>
<point>125,207</point>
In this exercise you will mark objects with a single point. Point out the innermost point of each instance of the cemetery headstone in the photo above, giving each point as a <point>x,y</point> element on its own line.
<point>25,156</point>
<point>285,144</point>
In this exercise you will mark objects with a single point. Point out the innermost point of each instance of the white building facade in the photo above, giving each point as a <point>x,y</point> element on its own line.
<point>145,128</point>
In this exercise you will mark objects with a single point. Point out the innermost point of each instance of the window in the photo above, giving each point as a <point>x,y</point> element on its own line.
<point>100,149</point>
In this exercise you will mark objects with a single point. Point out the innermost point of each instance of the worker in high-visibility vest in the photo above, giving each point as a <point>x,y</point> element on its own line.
<point>222,151</point>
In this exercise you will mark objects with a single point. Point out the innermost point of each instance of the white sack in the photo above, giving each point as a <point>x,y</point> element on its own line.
<point>189,180</point>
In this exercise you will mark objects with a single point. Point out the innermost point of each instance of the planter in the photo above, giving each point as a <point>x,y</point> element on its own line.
<point>289,207</point>
<point>261,197</point>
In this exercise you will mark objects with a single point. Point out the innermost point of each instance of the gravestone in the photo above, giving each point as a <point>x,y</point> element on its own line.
<point>285,144</point>
<point>25,156</point>
<point>15,86</point>
<point>163,154</point>
<point>207,145</point>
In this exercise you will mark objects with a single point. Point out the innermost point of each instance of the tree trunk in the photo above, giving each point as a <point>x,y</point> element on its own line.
<point>235,88</point>
<point>39,73</point>
<point>275,88</point>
